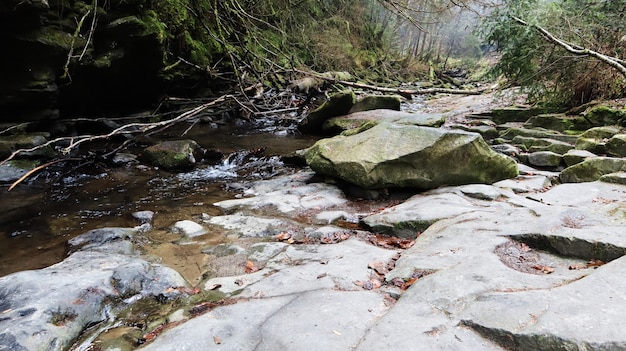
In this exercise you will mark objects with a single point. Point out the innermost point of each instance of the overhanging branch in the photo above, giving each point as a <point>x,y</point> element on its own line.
<point>614,62</point>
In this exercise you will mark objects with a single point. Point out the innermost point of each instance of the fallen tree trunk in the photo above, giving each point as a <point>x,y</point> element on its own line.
<point>400,91</point>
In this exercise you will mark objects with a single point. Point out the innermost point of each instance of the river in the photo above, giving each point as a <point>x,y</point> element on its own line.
<point>39,216</point>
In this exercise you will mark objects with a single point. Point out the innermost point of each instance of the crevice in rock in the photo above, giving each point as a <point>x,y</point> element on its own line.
<point>530,342</point>
<point>572,247</point>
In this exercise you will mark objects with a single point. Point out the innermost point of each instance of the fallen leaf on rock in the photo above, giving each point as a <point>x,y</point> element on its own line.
<point>239,282</point>
<point>591,263</point>
<point>249,267</point>
<point>544,269</point>
<point>283,236</point>
<point>217,340</point>
<point>336,332</point>
<point>322,276</point>
<point>393,242</point>
<point>595,263</point>
<point>379,266</point>
<point>201,308</point>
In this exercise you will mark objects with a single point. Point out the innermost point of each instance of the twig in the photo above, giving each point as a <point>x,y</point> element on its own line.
<point>38,168</point>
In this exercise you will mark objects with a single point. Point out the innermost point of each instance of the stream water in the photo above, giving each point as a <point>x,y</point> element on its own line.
<point>39,216</point>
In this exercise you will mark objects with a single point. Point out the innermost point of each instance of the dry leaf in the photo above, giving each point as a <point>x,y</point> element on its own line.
<point>217,340</point>
<point>379,266</point>
<point>249,267</point>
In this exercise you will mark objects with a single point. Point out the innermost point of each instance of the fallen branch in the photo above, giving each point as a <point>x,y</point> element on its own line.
<point>38,168</point>
<point>614,62</point>
<point>131,128</point>
<point>403,92</point>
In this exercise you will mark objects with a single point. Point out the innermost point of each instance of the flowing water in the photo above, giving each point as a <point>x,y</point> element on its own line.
<point>40,215</point>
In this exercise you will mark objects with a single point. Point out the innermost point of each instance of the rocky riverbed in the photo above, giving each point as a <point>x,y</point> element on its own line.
<point>299,261</point>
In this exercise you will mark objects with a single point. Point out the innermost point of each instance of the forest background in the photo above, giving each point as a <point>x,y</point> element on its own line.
<point>83,57</point>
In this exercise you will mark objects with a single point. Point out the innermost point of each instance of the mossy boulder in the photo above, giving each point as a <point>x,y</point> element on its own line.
<point>515,114</point>
<point>394,155</point>
<point>541,144</point>
<point>595,139</point>
<point>558,122</point>
<point>511,133</point>
<point>338,104</point>
<point>574,156</point>
<point>591,169</point>
<point>601,115</point>
<point>173,155</point>
<point>616,146</point>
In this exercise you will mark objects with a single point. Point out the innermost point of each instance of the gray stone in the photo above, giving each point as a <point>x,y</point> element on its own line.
<point>392,155</point>
<point>418,213</point>
<point>545,159</point>
<point>247,226</point>
<point>54,305</point>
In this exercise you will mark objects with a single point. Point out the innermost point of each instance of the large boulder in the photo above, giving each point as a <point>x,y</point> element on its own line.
<point>392,155</point>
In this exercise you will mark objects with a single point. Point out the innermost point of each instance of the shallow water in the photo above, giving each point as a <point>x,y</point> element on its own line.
<point>40,215</point>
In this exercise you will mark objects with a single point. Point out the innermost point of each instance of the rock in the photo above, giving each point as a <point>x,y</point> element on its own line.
<point>416,214</point>
<point>574,156</point>
<point>54,305</point>
<point>248,226</point>
<point>542,144</point>
<point>338,104</point>
<point>359,120</point>
<point>145,216</point>
<point>391,155</point>
<point>26,141</point>
<point>616,146</point>
<point>594,140</point>
<point>189,228</point>
<point>507,149</point>
<point>591,169</point>
<point>512,132</point>
<point>545,159</point>
<point>525,183</point>
<point>376,102</point>
<point>558,122</point>
<point>486,131</point>
<point>173,155</point>
<point>615,178</point>
<point>15,169</point>
<point>514,114</point>
<point>596,146</point>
